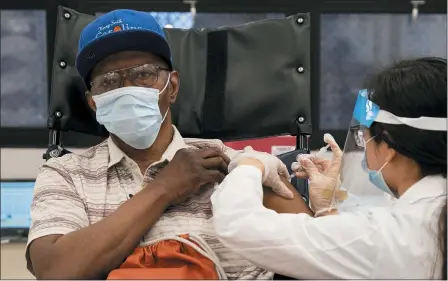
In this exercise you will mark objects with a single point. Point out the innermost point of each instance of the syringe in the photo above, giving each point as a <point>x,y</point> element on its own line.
<point>327,138</point>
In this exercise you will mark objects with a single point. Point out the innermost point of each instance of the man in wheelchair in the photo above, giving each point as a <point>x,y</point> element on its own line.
<point>136,206</point>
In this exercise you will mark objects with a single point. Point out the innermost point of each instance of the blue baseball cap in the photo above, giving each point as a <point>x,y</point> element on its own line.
<point>117,31</point>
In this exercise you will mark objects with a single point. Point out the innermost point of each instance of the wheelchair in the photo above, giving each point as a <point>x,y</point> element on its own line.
<point>240,82</point>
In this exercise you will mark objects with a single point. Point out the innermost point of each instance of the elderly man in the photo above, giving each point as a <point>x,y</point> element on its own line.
<point>110,207</point>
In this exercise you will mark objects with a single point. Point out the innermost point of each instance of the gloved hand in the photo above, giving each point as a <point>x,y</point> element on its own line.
<point>273,169</point>
<point>324,183</point>
<point>321,163</point>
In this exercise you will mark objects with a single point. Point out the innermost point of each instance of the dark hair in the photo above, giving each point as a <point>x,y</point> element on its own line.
<point>414,88</point>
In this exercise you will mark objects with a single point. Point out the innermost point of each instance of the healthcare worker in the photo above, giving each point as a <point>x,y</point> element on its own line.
<point>399,124</point>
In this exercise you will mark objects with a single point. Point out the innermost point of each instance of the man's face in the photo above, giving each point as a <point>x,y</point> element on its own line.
<point>131,59</point>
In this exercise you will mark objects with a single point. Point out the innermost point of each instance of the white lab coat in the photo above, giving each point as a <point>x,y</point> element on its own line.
<point>392,242</point>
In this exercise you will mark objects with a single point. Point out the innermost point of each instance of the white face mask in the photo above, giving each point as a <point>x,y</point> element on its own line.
<point>132,114</point>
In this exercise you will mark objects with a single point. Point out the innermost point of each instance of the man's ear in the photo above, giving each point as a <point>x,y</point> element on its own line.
<point>90,101</point>
<point>174,86</point>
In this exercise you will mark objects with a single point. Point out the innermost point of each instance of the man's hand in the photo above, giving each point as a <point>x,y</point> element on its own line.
<point>190,169</point>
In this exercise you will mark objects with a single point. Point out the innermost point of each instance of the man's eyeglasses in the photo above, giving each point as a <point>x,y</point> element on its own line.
<point>145,75</point>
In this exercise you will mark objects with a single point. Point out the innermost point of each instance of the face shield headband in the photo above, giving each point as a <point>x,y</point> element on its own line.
<point>366,112</point>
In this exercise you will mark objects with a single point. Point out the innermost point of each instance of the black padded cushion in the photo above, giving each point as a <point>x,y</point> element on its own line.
<point>236,82</point>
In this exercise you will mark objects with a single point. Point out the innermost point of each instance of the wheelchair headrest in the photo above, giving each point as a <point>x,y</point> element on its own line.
<point>245,81</point>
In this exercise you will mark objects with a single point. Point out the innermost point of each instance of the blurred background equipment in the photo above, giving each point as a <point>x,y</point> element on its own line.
<point>192,4</point>
<point>16,197</point>
<point>416,4</point>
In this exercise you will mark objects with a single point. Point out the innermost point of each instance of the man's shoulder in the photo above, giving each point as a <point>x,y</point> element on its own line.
<point>211,143</point>
<point>94,156</point>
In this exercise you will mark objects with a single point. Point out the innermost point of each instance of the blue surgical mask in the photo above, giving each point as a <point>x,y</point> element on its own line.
<point>132,114</point>
<point>376,177</point>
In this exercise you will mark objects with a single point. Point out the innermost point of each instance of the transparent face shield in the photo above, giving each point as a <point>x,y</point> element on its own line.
<point>356,178</point>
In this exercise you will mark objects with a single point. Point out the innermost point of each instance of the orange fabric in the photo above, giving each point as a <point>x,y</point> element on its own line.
<point>167,259</point>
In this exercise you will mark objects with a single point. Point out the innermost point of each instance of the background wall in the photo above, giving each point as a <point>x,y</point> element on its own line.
<point>23,163</point>
<point>13,264</point>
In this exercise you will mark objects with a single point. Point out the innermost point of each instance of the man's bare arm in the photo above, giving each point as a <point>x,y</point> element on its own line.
<point>281,205</point>
<point>92,252</point>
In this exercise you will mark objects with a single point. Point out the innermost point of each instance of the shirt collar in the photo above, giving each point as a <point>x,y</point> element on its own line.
<point>429,187</point>
<point>176,144</point>
<point>116,154</point>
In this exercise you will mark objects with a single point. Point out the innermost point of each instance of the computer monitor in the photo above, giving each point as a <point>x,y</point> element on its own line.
<point>16,198</point>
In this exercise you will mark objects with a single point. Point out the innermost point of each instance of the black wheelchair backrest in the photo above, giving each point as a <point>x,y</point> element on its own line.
<point>245,81</point>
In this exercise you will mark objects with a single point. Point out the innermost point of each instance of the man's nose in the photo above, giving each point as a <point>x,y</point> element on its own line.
<point>126,82</point>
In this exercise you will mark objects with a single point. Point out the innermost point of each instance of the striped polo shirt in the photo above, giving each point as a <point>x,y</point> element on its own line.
<point>78,190</point>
